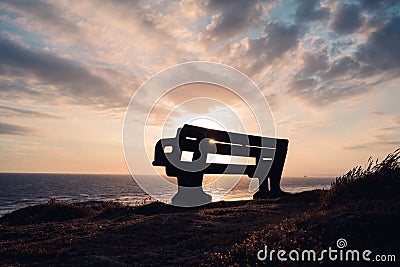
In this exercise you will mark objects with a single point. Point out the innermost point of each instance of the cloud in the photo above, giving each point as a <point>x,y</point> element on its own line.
<point>233,17</point>
<point>371,144</point>
<point>389,129</point>
<point>14,90</point>
<point>254,55</point>
<point>70,78</point>
<point>311,10</point>
<point>279,38</point>
<point>387,135</point>
<point>376,5</point>
<point>314,62</point>
<point>126,15</point>
<point>341,67</point>
<point>49,17</point>
<point>328,75</point>
<point>380,52</point>
<point>10,112</point>
<point>347,19</point>
<point>397,120</point>
<point>14,129</point>
<point>355,147</point>
<point>142,38</point>
<point>131,36</point>
<point>303,84</point>
<point>321,93</point>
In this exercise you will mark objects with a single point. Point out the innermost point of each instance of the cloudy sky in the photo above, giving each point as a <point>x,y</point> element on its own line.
<point>329,70</point>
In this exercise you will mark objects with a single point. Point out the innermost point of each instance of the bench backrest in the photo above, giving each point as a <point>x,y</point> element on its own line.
<point>214,152</point>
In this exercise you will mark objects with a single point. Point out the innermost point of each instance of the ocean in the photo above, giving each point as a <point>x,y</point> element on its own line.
<point>19,190</point>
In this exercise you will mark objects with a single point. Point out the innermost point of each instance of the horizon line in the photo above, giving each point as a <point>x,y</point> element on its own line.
<point>114,173</point>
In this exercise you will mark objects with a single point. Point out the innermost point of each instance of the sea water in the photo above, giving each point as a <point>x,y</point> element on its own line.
<point>19,190</point>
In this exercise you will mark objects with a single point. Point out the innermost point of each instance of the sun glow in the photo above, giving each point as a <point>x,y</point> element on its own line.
<point>207,122</point>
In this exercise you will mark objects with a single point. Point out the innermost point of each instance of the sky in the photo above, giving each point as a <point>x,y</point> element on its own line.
<point>329,70</point>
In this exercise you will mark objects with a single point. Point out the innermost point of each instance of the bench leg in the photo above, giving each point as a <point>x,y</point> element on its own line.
<point>190,191</point>
<point>274,175</point>
<point>190,179</point>
<point>263,191</point>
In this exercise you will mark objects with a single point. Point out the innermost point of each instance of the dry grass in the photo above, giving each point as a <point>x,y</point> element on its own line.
<point>362,206</point>
<point>378,180</point>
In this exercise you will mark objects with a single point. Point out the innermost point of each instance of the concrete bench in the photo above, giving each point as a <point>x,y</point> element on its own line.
<point>196,151</point>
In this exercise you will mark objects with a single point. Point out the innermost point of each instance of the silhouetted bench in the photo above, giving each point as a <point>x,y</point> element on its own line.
<point>196,151</point>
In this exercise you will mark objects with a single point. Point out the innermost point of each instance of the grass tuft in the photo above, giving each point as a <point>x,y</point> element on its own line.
<point>362,206</point>
<point>377,181</point>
